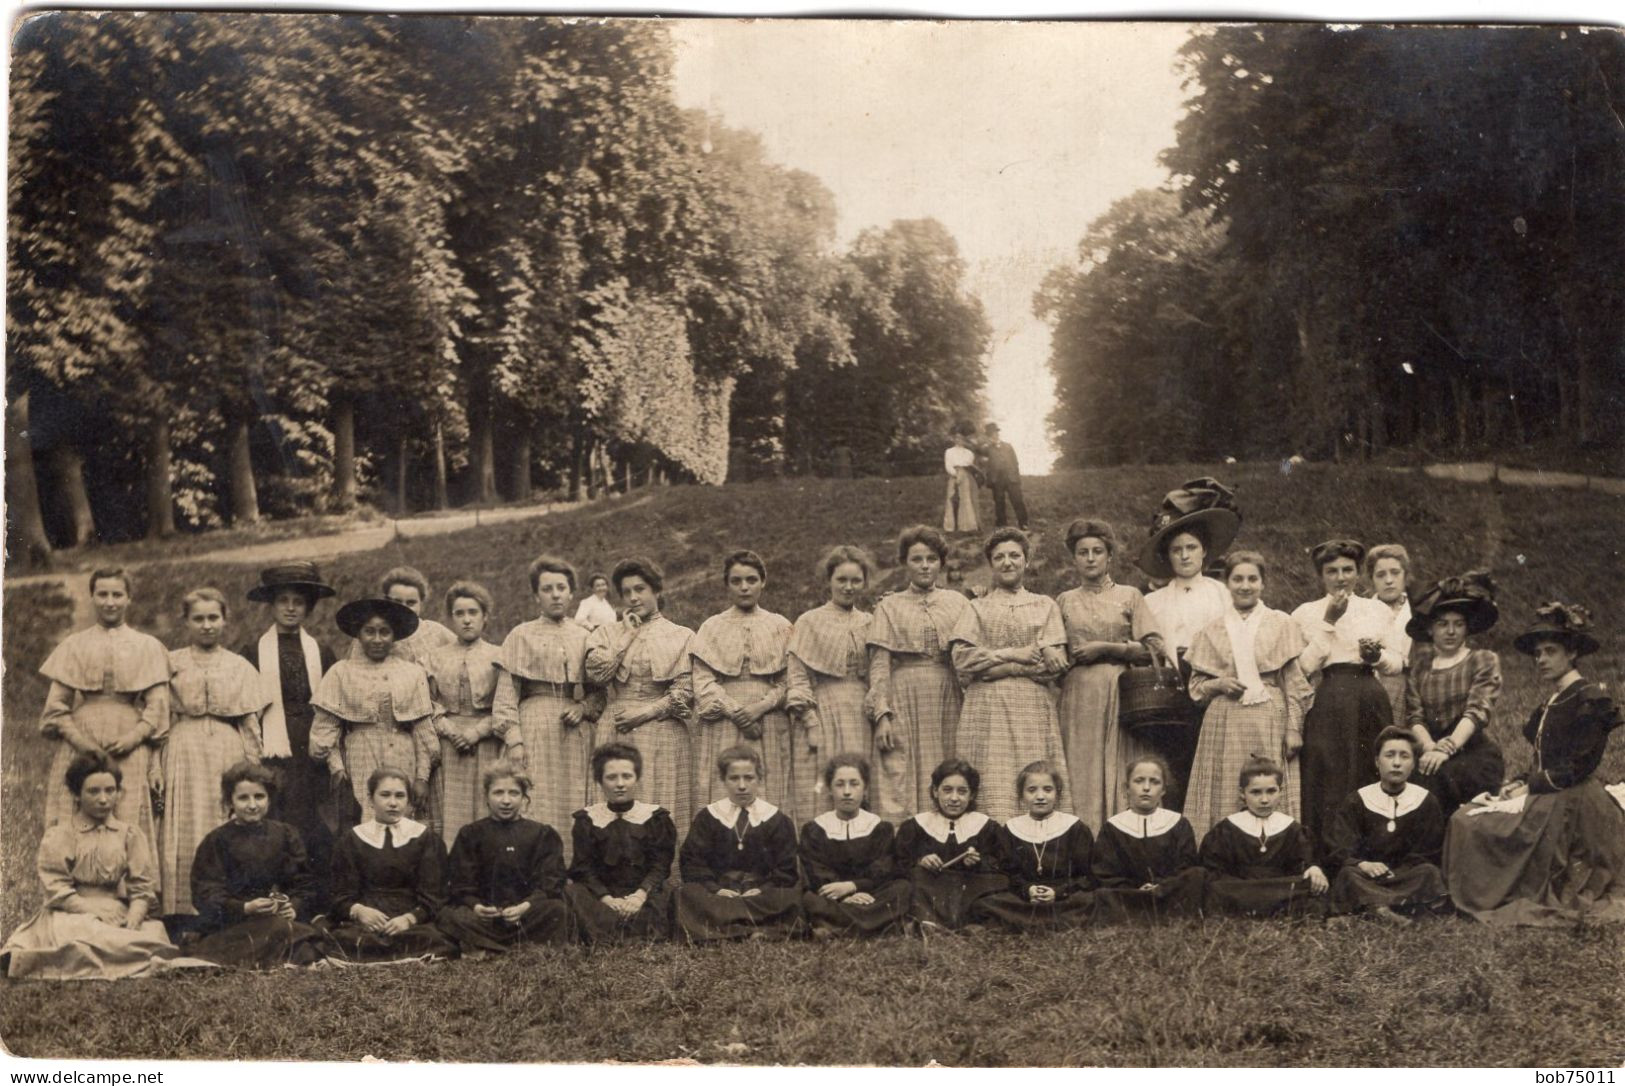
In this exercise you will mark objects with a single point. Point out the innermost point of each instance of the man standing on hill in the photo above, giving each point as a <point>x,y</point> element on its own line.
<point>1004,477</point>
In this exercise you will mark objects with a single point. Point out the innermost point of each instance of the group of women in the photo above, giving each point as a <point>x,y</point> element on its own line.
<point>664,751</point>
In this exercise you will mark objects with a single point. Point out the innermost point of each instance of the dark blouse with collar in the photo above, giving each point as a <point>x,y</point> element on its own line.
<point>623,857</point>
<point>237,863</point>
<point>1569,743</point>
<point>506,863</point>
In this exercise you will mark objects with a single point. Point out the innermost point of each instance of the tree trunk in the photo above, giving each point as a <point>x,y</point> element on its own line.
<point>68,470</point>
<point>1583,393</point>
<point>519,469</point>
<point>27,526</point>
<point>160,494</point>
<point>400,476</point>
<point>245,499</point>
<point>442,500</point>
<point>482,486</point>
<point>575,465</point>
<point>628,467</point>
<point>344,480</point>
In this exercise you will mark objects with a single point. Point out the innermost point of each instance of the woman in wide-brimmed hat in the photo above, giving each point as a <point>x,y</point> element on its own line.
<point>291,664</point>
<point>375,711</point>
<point>1196,522</point>
<point>1549,849</point>
<point>1451,693</point>
<point>1344,655</point>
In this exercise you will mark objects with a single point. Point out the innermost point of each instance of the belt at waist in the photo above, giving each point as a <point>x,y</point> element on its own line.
<point>1347,669</point>
<point>898,663</point>
<point>530,688</point>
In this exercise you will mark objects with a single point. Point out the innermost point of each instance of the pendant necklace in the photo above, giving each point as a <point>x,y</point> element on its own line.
<point>1039,849</point>
<point>1391,823</point>
<point>1263,835</point>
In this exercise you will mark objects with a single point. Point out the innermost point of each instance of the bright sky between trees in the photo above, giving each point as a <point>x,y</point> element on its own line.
<point>1013,135</point>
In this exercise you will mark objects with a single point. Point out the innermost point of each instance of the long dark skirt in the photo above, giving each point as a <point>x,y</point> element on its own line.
<point>1285,896</point>
<point>265,942</point>
<point>1412,887</point>
<point>705,917</point>
<point>598,923</point>
<point>1350,710</point>
<point>1177,895</point>
<point>356,944</point>
<point>886,914</point>
<point>1559,860</point>
<point>1478,769</point>
<point>548,922</point>
<point>306,802</point>
<point>945,897</point>
<point>1010,910</point>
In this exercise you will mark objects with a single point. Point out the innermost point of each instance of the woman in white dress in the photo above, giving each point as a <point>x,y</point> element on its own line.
<point>959,506</point>
<point>1388,568</point>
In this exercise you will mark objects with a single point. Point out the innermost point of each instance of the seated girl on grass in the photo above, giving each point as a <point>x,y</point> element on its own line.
<point>1260,861</point>
<point>953,855</point>
<point>1145,858</point>
<point>1046,856</point>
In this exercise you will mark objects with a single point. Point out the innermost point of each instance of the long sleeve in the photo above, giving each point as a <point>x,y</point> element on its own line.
<point>325,732</point>
<point>1344,839</point>
<point>1484,691</point>
<point>606,648</point>
<point>1415,715</point>
<point>425,747</point>
<point>1079,844</point>
<point>881,868</point>
<point>1110,864</point>
<point>1569,755</point>
<point>711,702</point>
<point>781,845</point>
<point>464,883</point>
<point>346,878</point>
<point>1427,833</point>
<point>817,863</point>
<point>798,685</point>
<point>1318,635</point>
<point>1185,856</point>
<point>56,719</point>
<point>971,660</point>
<point>141,877</point>
<point>298,880</point>
<point>592,702</point>
<point>1299,697</point>
<point>1300,850</point>
<point>584,860</point>
<point>153,703</point>
<point>877,702</point>
<point>1204,687</point>
<point>1217,857</point>
<point>1012,861</point>
<point>211,893</point>
<point>505,709</point>
<point>430,888</point>
<point>53,864</point>
<point>547,869</point>
<point>662,850</point>
<point>697,849</point>
<point>253,744</point>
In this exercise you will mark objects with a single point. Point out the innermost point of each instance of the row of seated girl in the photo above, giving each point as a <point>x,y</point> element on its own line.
<point>744,873</point>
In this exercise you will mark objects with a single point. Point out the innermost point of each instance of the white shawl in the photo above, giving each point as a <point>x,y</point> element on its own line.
<point>274,723</point>
<point>1243,631</point>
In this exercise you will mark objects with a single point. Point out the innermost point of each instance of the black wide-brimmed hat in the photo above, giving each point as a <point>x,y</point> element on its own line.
<point>1204,504</point>
<point>302,576</point>
<point>1472,595</point>
<point>1564,623</point>
<point>401,618</point>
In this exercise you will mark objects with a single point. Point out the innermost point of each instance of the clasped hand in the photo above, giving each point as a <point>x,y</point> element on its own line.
<point>269,906</point>
<point>376,922</point>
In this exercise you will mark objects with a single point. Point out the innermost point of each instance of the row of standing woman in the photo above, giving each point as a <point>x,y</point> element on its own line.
<point>929,675</point>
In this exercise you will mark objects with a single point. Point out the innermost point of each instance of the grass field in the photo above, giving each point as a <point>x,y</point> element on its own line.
<point>1214,993</point>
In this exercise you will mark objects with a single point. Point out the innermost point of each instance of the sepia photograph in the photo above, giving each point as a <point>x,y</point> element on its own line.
<point>540,538</point>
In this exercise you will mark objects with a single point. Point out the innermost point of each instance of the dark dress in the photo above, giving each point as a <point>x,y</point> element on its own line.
<point>505,863</point>
<point>304,799</point>
<point>1133,850</point>
<point>1437,701</point>
<point>722,854</point>
<point>405,875</point>
<point>1404,831</point>
<point>856,850</point>
<point>1053,851</point>
<point>945,897</point>
<point>1558,855</point>
<point>1257,868</point>
<point>237,863</point>
<point>616,853</point>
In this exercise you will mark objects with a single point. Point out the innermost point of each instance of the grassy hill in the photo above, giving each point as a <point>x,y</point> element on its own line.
<point>993,991</point>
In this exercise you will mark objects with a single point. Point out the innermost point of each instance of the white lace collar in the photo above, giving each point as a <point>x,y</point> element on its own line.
<point>1379,802</point>
<point>372,832</point>
<point>936,824</point>
<point>724,811</point>
<point>1039,830</point>
<point>1155,824</point>
<point>1252,826</point>
<point>600,815</point>
<point>859,825</point>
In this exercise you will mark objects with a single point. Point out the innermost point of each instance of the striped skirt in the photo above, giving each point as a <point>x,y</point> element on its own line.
<point>369,746</point>
<point>925,704</point>
<point>199,751</point>
<point>838,725</point>
<point>457,792</point>
<point>102,718</point>
<point>1232,733</point>
<point>711,738</point>
<point>1006,724</point>
<point>557,757</point>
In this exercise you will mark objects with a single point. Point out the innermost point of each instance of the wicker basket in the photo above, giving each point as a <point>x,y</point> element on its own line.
<point>1151,699</point>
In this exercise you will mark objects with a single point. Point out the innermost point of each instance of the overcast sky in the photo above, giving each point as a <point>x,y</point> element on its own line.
<point>1015,136</point>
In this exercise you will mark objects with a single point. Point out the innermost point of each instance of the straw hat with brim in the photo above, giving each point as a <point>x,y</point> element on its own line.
<point>1204,505</point>
<point>1471,595</point>
<point>1560,622</point>
<point>401,618</point>
<point>300,576</point>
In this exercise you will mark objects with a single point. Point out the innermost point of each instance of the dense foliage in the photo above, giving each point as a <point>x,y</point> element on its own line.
<point>1373,237</point>
<point>274,264</point>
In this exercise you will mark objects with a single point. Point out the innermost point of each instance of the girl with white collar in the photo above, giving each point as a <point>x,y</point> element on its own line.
<point>1260,861</point>
<point>739,861</point>
<point>954,854</point>
<point>1145,858</point>
<point>1384,839</point>
<point>389,880</point>
<point>846,855</point>
<point>1046,856</point>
